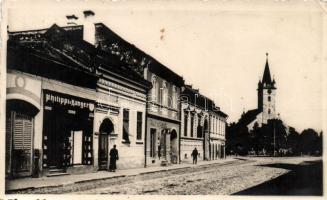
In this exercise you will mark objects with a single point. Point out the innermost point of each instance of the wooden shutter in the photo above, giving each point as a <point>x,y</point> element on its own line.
<point>22,142</point>
<point>22,132</point>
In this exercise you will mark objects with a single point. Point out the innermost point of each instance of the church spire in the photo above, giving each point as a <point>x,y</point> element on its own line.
<point>266,74</point>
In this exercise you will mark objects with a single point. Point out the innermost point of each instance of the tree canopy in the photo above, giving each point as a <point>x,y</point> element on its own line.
<point>273,138</point>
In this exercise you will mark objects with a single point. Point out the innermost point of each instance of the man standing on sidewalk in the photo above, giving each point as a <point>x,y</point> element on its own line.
<point>195,156</point>
<point>113,158</point>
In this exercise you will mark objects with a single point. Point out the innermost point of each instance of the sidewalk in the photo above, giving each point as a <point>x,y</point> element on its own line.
<point>51,183</point>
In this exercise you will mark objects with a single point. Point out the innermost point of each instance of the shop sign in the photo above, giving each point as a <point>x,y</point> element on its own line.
<point>63,99</point>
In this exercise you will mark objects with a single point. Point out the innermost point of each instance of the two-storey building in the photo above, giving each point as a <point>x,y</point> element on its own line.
<point>163,109</point>
<point>202,126</point>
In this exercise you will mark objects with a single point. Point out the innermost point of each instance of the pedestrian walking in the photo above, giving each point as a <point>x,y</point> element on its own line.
<point>195,156</point>
<point>113,158</point>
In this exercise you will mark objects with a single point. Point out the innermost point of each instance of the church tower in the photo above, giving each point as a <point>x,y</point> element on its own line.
<point>267,95</point>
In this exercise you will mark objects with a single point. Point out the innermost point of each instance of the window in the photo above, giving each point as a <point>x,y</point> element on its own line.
<point>224,129</point>
<point>165,96</point>
<point>154,88</point>
<point>199,128</point>
<point>174,97</point>
<point>185,124</point>
<point>219,129</point>
<point>192,124</point>
<point>214,125</point>
<point>139,126</point>
<point>161,91</point>
<point>269,111</point>
<point>126,125</point>
<point>269,98</point>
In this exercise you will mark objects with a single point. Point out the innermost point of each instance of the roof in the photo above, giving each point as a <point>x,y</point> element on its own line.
<point>135,58</point>
<point>65,46</point>
<point>266,74</point>
<point>248,117</point>
<point>194,97</point>
<point>266,82</point>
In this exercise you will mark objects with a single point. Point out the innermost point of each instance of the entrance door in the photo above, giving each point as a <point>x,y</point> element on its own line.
<point>103,150</point>
<point>174,146</point>
<point>106,128</point>
<point>77,147</point>
<point>20,133</point>
<point>57,132</point>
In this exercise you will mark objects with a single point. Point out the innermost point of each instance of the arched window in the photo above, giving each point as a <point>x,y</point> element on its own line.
<point>154,87</point>
<point>269,111</point>
<point>185,123</point>
<point>269,98</point>
<point>174,97</point>
<point>164,96</point>
<point>192,124</point>
<point>199,128</point>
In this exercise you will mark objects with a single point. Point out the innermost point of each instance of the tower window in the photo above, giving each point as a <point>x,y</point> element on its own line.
<point>269,111</point>
<point>269,98</point>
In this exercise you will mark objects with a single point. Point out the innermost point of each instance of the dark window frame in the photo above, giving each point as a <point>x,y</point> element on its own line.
<point>126,126</point>
<point>192,125</point>
<point>139,125</point>
<point>185,123</point>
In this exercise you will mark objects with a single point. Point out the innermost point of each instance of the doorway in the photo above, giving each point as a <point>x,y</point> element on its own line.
<point>153,142</point>
<point>174,146</point>
<point>19,138</point>
<point>106,128</point>
<point>206,144</point>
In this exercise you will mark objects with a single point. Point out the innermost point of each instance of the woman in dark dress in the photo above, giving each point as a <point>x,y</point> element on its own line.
<point>113,158</point>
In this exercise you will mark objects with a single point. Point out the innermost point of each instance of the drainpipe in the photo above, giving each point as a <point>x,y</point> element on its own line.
<point>146,132</point>
<point>180,128</point>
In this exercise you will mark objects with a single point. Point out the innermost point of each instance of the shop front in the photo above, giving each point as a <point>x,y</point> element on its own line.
<point>67,131</point>
<point>162,145</point>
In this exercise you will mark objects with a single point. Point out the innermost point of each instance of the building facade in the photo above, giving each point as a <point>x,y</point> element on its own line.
<point>74,92</point>
<point>202,126</point>
<point>163,108</point>
<point>163,119</point>
<point>218,121</point>
<point>68,103</point>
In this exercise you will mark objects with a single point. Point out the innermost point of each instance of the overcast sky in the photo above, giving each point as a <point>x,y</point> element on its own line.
<point>219,47</point>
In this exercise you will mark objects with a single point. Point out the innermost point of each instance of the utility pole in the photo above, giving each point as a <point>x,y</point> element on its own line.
<point>274,139</point>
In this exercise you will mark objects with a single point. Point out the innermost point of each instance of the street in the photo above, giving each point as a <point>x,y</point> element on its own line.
<point>234,177</point>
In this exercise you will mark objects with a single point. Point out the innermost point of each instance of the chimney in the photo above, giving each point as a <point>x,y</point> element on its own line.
<point>71,19</point>
<point>88,27</point>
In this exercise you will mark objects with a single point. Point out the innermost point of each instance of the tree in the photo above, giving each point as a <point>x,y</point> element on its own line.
<point>308,141</point>
<point>293,141</point>
<point>255,142</point>
<point>269,137</point>
<point>237,139</point>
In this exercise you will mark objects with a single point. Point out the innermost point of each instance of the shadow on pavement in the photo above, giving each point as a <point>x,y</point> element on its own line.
<point>303,179</point>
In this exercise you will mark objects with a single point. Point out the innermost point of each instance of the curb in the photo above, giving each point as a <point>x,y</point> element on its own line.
<point>94,182</point>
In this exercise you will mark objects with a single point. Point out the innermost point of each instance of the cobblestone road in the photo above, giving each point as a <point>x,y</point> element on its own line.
<point>221,179</point>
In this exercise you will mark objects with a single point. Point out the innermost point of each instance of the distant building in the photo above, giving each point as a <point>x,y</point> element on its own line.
<point>202,126</point>
<point>266,109</point>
